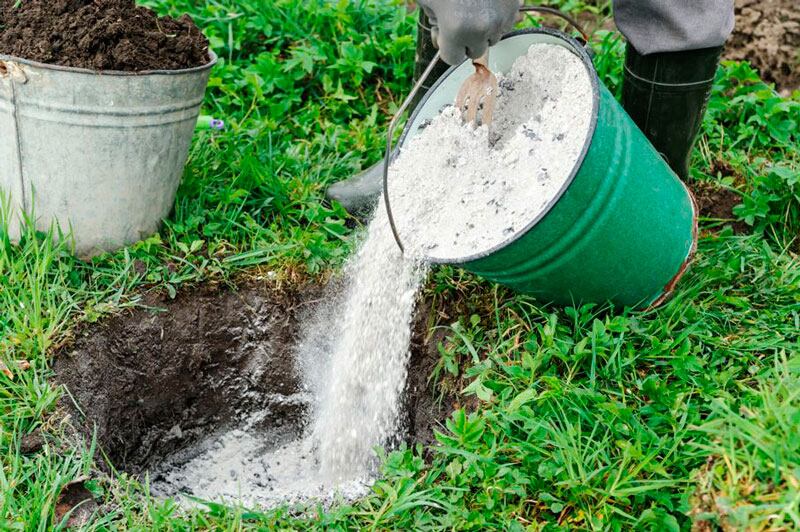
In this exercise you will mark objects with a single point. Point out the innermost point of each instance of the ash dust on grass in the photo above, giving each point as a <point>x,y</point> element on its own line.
<point>203,394</point>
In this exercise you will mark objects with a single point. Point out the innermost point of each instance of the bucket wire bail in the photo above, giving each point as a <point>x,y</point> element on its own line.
<point>418,85</point>
<point>390,135</point>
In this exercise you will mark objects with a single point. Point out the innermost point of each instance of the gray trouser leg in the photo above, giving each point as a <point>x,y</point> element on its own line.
<point>653,26</point>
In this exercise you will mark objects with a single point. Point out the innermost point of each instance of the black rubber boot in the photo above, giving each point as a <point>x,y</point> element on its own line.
<point>666,95</point>
<point>358,193</point>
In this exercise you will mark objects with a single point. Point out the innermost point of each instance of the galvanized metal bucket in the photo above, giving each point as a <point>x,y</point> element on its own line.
<point>623,228</point>
<point>99,153</point>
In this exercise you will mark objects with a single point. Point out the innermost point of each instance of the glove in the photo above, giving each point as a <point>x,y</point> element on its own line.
<point>462,28</point>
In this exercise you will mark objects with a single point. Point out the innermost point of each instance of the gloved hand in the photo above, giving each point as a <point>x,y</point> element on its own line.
<point>462,28</point>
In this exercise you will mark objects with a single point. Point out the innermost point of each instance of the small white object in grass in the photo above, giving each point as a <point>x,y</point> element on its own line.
<point>458,191</point>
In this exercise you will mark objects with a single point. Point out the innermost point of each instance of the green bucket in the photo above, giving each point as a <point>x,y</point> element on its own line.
<point>623,228</point>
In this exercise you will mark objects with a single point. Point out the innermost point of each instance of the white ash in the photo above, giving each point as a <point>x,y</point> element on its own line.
<point>250,468</point>
<point>364,350</point>
<point>457,191</point>
<point>454,195</point>
<point>352,355</point>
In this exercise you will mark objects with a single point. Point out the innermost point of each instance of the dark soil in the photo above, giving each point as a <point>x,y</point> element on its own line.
<point>100,35</point>
<point>75,503</point>
<point>767,34</point>
<point>154,382</point>
<point>424,411</point>
<point>716,204</point>
<point>32,443</point>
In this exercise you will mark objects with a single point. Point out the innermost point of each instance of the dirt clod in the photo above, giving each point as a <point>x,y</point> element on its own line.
<point>75,505</point>
<point>99,35</point>
<point>32,443</point>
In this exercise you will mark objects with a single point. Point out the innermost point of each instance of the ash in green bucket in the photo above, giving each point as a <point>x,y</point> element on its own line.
<point>458,191</point>
<point>620,228</point>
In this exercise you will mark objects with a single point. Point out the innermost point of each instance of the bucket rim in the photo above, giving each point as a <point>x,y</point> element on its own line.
<point>594,80</point>
<point>213,59</point>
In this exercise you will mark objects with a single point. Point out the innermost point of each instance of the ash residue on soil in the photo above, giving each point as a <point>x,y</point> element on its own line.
<point>767,34</point>
<point>100,35</point>
<point>166,386</point>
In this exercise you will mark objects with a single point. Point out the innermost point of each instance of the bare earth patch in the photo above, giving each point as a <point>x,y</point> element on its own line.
<point>767,34</point>
<point>717,203</point>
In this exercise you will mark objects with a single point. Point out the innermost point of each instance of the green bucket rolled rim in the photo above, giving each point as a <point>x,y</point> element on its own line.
<point>579,51</point>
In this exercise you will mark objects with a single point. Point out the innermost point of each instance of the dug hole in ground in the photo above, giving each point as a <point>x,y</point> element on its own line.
<point>263,397</point>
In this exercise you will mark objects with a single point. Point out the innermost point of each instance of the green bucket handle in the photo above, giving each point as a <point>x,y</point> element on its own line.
<point>422,79</point>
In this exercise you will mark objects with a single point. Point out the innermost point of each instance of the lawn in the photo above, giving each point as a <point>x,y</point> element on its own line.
<point>572,418</point>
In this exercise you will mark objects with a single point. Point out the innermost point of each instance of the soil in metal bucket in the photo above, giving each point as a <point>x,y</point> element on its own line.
<point>203,393</point>
<point>99,35</point>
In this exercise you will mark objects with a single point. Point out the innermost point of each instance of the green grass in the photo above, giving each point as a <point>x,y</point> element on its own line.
<point>580,418</point>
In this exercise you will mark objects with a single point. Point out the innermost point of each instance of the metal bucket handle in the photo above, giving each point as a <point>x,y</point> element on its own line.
<point>422,79</point>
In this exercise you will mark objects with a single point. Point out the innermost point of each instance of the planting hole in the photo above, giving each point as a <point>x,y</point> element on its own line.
<point>203,394</point>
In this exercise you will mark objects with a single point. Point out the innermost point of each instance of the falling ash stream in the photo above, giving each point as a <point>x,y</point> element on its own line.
<point>365,350</point>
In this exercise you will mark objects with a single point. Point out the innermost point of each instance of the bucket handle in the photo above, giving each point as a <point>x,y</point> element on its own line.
<point>390,135</point>
<point>422,79</point>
